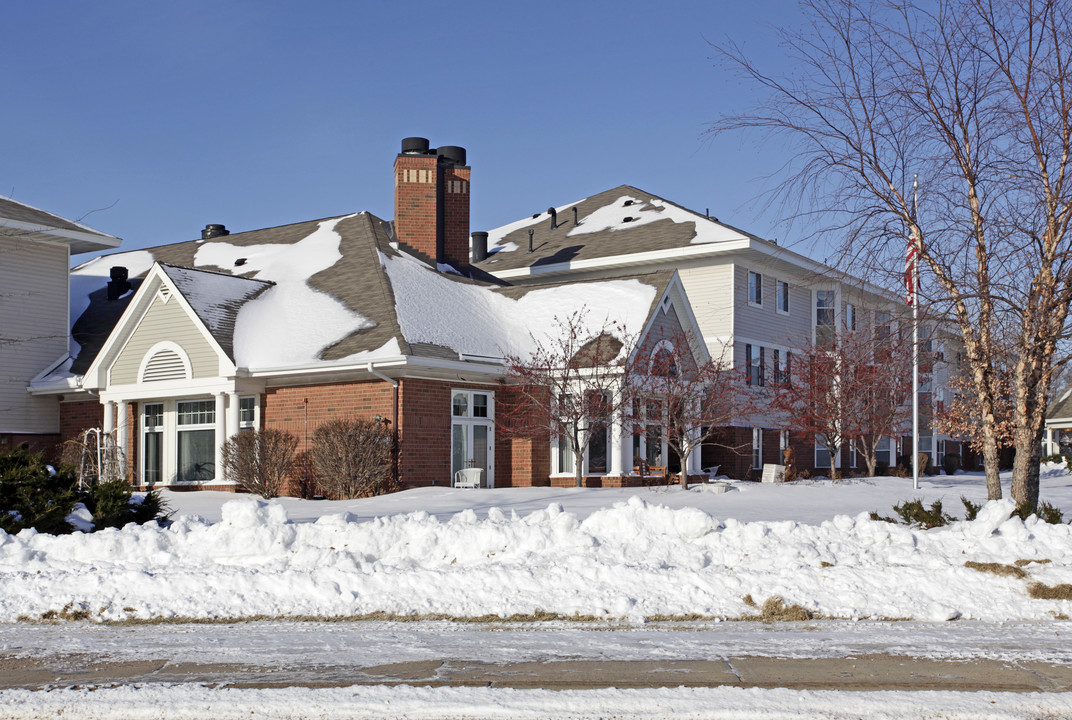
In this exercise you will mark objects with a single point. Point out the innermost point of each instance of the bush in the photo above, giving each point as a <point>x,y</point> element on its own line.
<point>912,512</point>
<point>971,510</point>
<point>112,505</point>
<point>951,463</point>
<point>260,461</point>
<point>35,495</point>
<point>1046,513</point>
<point>352,457</point>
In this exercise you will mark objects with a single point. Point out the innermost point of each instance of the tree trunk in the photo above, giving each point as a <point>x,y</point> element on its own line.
<point>990,464</point>
<point>683,458</point>
<point>1025,467</point>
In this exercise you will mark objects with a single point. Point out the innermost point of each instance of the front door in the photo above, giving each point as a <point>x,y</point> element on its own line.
<point>472,438</point>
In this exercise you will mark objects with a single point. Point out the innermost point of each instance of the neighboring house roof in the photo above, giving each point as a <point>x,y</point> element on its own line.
<point>40,224</point>
<point>623,220</point>
<point>1061,408</point>
<point>339,290</point>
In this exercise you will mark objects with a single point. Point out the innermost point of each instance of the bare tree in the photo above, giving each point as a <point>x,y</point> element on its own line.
<point>698,400</point>
<point>568,386</point>
<point>850,390</point>
<point>260,461</point>
<point>974,96</point>
<point>352,457</point>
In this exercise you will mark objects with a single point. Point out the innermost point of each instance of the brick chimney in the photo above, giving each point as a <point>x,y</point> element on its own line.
<point>432,201</point>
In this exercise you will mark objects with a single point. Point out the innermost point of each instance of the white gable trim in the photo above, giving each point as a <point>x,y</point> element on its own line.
<point>674,296</point>
<point>98,374</point>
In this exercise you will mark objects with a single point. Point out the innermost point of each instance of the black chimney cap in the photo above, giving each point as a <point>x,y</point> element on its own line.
<point>214,230</point>
<point>452,153</point>
<point>415,145</point>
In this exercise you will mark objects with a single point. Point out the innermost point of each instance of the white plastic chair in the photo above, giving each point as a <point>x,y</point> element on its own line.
<point>469,478</point>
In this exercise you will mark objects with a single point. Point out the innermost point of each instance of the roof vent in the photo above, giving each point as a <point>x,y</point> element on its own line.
<point>531,231</point>
<point>628,203</point>
<point>554,217</point>
<point>240,262</point>
<point>414,146</point>
<point>480,246</point>
<point>575,215</point>
<point>118,286</point>
<point>627,218</point>
<point>212,231</point>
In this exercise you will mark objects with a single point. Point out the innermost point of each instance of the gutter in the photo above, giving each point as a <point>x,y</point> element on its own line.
<point>394,420</point>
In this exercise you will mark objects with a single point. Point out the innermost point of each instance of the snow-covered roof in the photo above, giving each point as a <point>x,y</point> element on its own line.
<point>622,220</point>
<point>339,290</point>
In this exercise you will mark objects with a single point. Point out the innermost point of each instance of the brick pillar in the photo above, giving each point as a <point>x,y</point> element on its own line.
<point>416,203</point>
<point>455,208</point>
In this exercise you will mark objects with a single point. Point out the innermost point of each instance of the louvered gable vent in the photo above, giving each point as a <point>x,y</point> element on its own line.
<point>164,365</point>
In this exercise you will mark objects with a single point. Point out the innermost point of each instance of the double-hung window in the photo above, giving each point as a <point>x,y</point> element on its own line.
<point>825,333</point>
<point>153,443</point>
<point>754,364</point>
<point>781,366</point>
<point>196,440</point>
<point>755,289</point>
<point>781,296</point>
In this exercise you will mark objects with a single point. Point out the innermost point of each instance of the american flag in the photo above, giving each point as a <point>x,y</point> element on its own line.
<point>910,269</point>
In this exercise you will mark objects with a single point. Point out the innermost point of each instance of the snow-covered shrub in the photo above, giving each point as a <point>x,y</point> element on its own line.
<point>33,494</point>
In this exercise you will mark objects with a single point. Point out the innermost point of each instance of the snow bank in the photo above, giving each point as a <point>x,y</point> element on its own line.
<point>631,560</point>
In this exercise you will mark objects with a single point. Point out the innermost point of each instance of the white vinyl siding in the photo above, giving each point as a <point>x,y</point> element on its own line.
<point>165,321</point>
<point>33,311</point>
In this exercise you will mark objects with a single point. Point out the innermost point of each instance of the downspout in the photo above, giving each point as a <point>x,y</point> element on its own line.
<point>394,419</point>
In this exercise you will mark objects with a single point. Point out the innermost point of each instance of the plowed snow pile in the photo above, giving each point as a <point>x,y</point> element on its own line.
<point>632,560</point>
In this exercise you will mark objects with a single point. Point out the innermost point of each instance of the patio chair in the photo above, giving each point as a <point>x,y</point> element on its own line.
<point>469,478</point>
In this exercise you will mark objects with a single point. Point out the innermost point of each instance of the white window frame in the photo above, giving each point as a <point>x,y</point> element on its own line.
<point>755,292</point>
<point>757,448</point>
<point>850,317</point>
<point>832,308</point>
<point>143,431</point>
<point>470,420</point>
<point>781,297</point>
<point>255,421</point>
<point>194,427</point>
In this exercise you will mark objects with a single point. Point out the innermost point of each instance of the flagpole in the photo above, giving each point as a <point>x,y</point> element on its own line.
<point>915,337</point>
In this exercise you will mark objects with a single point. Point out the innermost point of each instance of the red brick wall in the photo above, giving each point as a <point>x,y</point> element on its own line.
<point>416,203</point>
<point>285,409</point>
<point>47,444</point>
<point>79,415</point>
<point>455,185</point>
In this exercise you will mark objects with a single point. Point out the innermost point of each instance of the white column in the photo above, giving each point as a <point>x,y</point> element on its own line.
<point>122,433</point>
<point>694,464</point>
<point>221,436</point>
<point>109,416</point>
<point>232,414</point>
<point>615,450</point>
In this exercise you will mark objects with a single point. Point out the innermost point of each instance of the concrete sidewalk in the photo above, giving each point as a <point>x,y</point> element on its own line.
<point>864,672</point>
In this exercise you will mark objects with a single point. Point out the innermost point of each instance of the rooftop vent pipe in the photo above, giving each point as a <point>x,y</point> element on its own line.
<point>118,286</point>
<point>480,246</point>
<point>554,217</point>
<point>212,231</point>
<point>575,215</point>
<point>531,231</point>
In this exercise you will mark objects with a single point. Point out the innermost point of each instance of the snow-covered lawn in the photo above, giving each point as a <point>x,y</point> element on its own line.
<point>630,554</point>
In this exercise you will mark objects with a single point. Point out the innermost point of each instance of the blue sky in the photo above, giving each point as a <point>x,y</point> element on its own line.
<point>255,114</point>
